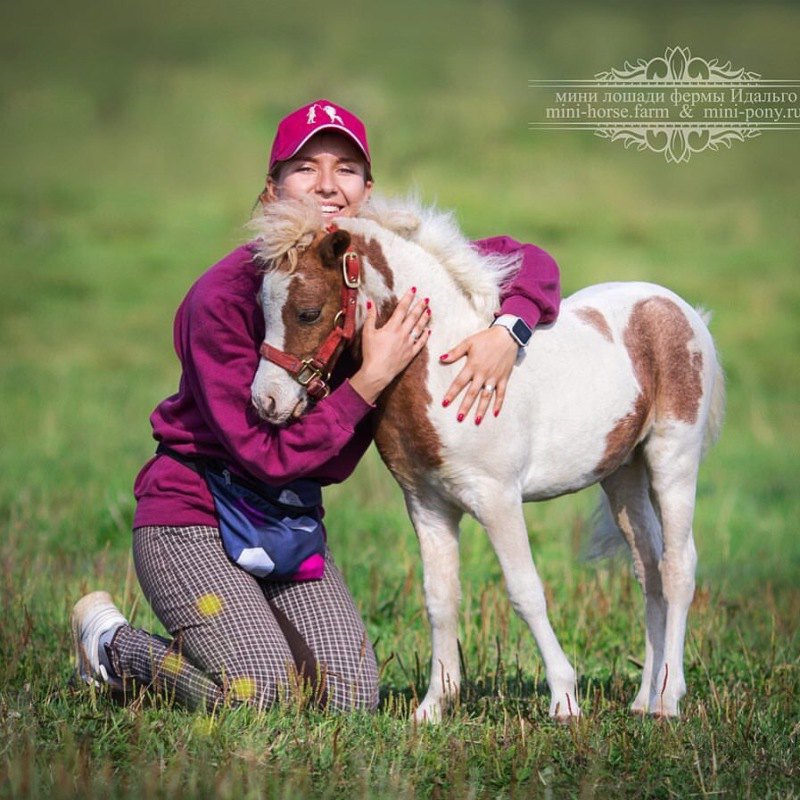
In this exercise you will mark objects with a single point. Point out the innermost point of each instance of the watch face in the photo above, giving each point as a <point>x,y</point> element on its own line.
<point>521,331</point>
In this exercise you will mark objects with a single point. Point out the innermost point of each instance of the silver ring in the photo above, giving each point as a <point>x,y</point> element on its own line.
<point>414,335</point>
<point>488,387</point>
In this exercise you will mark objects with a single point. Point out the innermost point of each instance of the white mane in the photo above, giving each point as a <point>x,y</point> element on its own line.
<point>478,276</point>
<point>283,227</point>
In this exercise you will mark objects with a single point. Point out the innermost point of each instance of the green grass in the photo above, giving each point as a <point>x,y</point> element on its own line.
<point>134,140</point>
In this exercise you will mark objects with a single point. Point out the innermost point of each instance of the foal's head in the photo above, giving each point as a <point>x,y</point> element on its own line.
<point>301,298</point>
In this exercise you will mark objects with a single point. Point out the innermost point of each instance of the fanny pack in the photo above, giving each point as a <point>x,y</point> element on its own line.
<point>272,532</point>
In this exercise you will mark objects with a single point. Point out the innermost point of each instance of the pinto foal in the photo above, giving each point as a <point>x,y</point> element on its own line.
<point>625,390</point>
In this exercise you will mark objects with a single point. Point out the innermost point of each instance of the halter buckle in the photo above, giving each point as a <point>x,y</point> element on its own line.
<point>351,282</point>
<point>307,372</point>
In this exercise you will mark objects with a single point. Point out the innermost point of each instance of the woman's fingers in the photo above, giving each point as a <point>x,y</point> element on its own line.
<point>499,396</point>
<point>388,350</point>
<point>419,318</point>
<point>403,308</point>
<point>490,356</point>
<point>370,319</point>
<point>472,394</point>
<point>484,398</point>
<point>415,320</point>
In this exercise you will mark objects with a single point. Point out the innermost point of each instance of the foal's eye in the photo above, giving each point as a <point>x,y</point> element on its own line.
<point>308,315</point>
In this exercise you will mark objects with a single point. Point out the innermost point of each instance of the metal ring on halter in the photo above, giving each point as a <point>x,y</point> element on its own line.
<point>488,387</point>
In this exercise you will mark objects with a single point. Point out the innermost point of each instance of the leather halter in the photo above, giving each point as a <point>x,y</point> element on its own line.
<point>315,372</point>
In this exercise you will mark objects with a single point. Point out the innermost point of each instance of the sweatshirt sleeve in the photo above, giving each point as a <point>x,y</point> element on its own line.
<point>215,343</point>
<point>534,293</point>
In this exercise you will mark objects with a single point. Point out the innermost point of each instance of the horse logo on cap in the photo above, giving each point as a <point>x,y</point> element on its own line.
<point>329,110</point>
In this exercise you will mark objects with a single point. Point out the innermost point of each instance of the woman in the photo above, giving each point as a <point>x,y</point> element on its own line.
<point>237,637</point>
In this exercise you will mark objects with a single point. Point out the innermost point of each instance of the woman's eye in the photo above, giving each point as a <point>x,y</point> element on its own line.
<point>308,315</point>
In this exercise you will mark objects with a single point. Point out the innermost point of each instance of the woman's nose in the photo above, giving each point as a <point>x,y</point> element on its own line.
<point>325,182</point>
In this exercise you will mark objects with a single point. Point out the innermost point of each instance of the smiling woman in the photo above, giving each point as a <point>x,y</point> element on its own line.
<point>322,152</point>
<point>228,541</point>
<point>329,167</point>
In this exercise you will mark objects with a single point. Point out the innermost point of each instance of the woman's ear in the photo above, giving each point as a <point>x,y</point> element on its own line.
<point>270,193</point>
<point>333,247</point>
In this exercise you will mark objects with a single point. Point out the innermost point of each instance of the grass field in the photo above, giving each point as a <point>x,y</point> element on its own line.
<point>134,139</point>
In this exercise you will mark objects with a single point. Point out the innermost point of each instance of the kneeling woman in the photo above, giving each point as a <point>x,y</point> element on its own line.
<point>237,637</point>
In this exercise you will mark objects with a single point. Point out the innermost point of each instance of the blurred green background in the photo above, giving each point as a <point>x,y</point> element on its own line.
<point>135,138</point>
<point>134,141</point>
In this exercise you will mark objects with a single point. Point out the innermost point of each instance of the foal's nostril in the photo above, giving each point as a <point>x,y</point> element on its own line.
<point>263,407</point>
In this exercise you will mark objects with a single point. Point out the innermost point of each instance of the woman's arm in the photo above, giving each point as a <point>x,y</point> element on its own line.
<point>215,343</point>
<point>533,295</point>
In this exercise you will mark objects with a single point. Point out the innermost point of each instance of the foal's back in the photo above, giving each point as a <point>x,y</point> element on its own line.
<point>620,359</point>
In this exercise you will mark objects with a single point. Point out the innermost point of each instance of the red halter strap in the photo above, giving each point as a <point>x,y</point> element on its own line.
<point>315,372</point>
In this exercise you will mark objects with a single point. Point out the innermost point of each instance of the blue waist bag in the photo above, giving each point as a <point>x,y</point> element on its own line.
<point>272,532</point>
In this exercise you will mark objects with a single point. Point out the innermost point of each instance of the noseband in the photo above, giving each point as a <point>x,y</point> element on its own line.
<point>315,372</point>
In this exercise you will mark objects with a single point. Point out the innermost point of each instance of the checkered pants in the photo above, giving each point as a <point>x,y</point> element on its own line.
<point>240,639</point>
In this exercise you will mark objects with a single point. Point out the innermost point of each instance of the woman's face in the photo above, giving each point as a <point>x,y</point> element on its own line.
<point>330,168</point>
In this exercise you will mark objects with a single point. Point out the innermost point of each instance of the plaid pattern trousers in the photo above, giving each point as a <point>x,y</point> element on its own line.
<point>239,639</point>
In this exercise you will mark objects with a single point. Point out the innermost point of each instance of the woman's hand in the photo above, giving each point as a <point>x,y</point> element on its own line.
<point>388,350</point>
<point>491,355</point>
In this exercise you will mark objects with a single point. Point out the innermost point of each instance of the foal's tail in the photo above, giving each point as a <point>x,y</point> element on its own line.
<point>716,412</point>
<point>607,538</point>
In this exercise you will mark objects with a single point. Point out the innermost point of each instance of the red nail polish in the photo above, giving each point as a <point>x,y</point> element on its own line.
<point>497,412</point>
<point>414,289</point>
<point>445,402</point>
<point>428,310</point>
<point>426,300</point>
<point>460,417</point>
<point>443,358</point>
<point>369,305</point>
<point>478,420</point>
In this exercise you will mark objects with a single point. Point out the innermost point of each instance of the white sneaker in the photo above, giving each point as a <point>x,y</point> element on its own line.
<point>93,615</point>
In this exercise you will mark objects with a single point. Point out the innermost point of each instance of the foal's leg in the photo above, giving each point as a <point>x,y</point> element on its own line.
<point>673,476</point>
<point>436,524</point>
<point>628,496</point>
<point>501,515</point>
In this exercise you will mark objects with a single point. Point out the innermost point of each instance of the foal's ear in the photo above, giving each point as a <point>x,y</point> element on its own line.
<point>333,246</point>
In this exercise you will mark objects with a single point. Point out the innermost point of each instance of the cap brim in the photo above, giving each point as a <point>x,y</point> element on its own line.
<point>327,126</point>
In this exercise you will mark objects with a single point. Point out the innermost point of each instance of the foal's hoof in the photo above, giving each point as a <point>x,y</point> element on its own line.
<point>638,707</point>
<point>429,712</point>
<point>656,711</point>
<point>565,709</point>
<point>661,714</point>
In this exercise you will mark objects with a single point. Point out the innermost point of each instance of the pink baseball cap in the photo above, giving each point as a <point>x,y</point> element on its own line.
<point>296,129</point>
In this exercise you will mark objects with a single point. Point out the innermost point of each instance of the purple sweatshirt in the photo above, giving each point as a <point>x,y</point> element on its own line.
<point>218,330</point>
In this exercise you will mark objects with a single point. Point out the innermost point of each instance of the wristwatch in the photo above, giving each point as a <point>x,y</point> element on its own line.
<point>519,329</point>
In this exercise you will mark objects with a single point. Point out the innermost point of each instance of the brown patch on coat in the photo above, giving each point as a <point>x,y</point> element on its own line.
<point>595,318</point>
<point>405,437</point>
<point>658,338</point>
<point>313,286</point>
<point>624,436</point>
<point>374,253</point>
